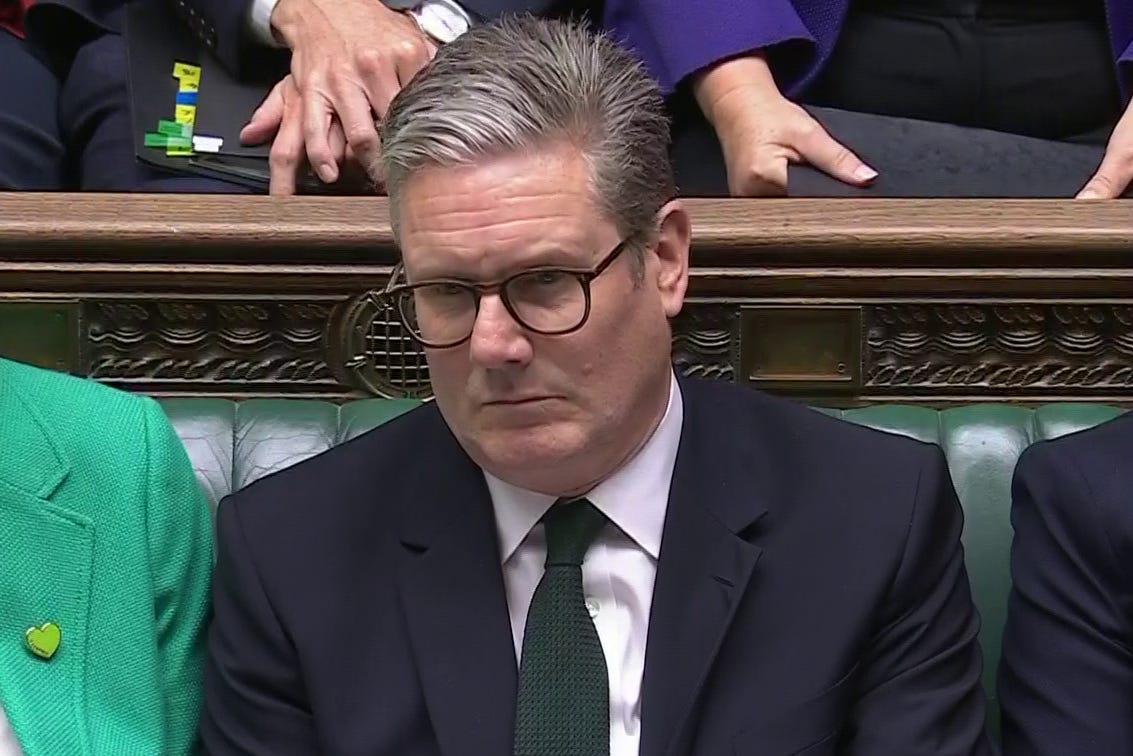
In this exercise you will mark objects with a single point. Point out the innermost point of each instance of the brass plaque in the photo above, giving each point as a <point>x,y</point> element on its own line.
<point>43,333</point>
<point>801,348</point>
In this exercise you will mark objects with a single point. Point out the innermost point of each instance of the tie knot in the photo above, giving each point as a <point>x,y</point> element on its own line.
<point>571,527</point>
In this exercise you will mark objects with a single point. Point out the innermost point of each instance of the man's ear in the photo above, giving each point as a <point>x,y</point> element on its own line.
<point>674,237</point>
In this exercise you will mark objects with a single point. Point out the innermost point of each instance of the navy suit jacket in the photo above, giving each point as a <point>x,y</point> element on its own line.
<point>810,596</point>
<point>677,37</point>
<point>1066,676</point>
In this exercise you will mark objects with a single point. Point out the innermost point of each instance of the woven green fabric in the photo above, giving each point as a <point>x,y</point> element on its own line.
<point>563,706</point>
<point>104,531</point>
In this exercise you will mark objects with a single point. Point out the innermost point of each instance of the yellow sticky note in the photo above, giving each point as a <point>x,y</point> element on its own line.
<point>186,70</point>
<point>185,113</point>
<point>188,76</point>
<point>178,152</point>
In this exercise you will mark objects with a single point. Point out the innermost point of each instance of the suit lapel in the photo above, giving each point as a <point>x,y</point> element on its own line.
<point>46,578</point>
<point>452,589</point>
<point>703,571</point>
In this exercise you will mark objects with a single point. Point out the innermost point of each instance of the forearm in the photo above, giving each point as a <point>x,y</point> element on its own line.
<point>716,86</point>
<point>677,38</point>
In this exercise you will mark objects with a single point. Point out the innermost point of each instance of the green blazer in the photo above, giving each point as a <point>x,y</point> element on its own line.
<point>104,531</point>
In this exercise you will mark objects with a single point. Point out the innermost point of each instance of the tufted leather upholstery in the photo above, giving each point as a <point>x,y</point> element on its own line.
<point>232,444</point>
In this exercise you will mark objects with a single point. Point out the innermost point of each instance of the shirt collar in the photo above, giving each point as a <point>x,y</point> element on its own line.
<point>635,497</point>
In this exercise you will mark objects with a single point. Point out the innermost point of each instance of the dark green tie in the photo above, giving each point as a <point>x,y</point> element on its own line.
<point>563,708</point>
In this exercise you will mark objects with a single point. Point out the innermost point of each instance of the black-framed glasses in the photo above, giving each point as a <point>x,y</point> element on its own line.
<point>441,313</point>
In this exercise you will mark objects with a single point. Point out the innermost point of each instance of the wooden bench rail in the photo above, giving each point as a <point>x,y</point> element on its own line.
<point>116,226</point>
<point>839,300</point>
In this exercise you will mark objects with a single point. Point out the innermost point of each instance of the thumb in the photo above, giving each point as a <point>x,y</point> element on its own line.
<point>1106,183</point>
<point>823,152</point>
<point>265,120</point>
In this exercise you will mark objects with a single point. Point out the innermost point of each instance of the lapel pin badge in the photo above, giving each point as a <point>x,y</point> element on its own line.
<point>43,641</point>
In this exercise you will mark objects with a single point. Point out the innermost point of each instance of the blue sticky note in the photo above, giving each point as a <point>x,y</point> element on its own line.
<point>186,98</point>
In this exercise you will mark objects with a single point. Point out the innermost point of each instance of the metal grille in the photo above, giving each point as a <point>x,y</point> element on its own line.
<point>397,361</point>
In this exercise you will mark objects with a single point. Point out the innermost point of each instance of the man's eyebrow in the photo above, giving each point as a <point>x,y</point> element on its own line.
<point>558,257</point>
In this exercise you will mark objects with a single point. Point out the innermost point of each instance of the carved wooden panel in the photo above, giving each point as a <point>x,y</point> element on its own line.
<point>224,345</point>
<point>343,348</point>
<point>706,341</point>
<point>1000,347</point>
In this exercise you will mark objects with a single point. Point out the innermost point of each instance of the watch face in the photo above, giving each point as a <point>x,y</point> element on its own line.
<point>440,22</point>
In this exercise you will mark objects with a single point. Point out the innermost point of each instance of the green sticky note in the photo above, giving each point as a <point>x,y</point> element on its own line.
<point>172,128</point>
<point>153,139</point>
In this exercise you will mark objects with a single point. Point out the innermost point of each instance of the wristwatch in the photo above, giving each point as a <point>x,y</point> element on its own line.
<point>441,20</point>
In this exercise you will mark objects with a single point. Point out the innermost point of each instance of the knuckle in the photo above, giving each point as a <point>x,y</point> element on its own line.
<point>408,49</point>
<point>319,154</point>
<point>371,60</point>
<point>283,154</point>
<point>805,130</point>
<point>843,156</point>
<point>363,141</point>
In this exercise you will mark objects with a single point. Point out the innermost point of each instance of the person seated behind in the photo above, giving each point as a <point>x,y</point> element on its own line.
<point>65,120</point>
<point>572,551</point>
<point>107,550</point>
<point>349,58</point>
<point>1066,676</point>
<point>1042,68</point>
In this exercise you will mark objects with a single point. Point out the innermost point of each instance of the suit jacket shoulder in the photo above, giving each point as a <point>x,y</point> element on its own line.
<point>369,470</point>
<point>1065,679</point>
<point>787,435</point>
<point>1099,455</point>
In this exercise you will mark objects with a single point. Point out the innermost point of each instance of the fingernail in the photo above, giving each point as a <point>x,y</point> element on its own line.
<point>1089,194</point>
<point>865,173</point>
<point>326,173</point>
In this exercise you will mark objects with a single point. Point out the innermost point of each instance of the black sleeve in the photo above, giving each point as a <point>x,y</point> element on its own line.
<point>1066,677</point>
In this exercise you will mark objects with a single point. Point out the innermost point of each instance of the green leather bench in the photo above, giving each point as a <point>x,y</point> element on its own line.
<point>232,444</point>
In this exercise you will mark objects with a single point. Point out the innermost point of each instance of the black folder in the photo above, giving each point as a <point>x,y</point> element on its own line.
<point>156,39</point>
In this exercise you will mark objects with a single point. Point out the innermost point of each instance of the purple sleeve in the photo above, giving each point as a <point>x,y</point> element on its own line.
<point>677,37</point>
<point>1125,73</point>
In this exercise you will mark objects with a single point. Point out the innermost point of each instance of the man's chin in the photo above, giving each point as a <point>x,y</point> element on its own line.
<point>524,451</point>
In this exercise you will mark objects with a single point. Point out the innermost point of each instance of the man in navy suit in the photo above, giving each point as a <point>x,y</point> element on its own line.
<point>573,552</point>
<point>1066,677</point>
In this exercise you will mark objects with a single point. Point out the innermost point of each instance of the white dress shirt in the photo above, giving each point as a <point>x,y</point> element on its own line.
<point>9,746</point>
<point>618,571</point>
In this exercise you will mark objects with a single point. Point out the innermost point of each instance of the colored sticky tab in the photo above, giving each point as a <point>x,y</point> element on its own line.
<point>186,98</point>
<point>154,139</point>
<point>172,128</point>
<point>185,114</point>
<point>188,74</point>
<point>178,152</point>
<point>207,143</point>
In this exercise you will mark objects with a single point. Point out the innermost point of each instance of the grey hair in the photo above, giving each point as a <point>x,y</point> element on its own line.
<point>520,83</point>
